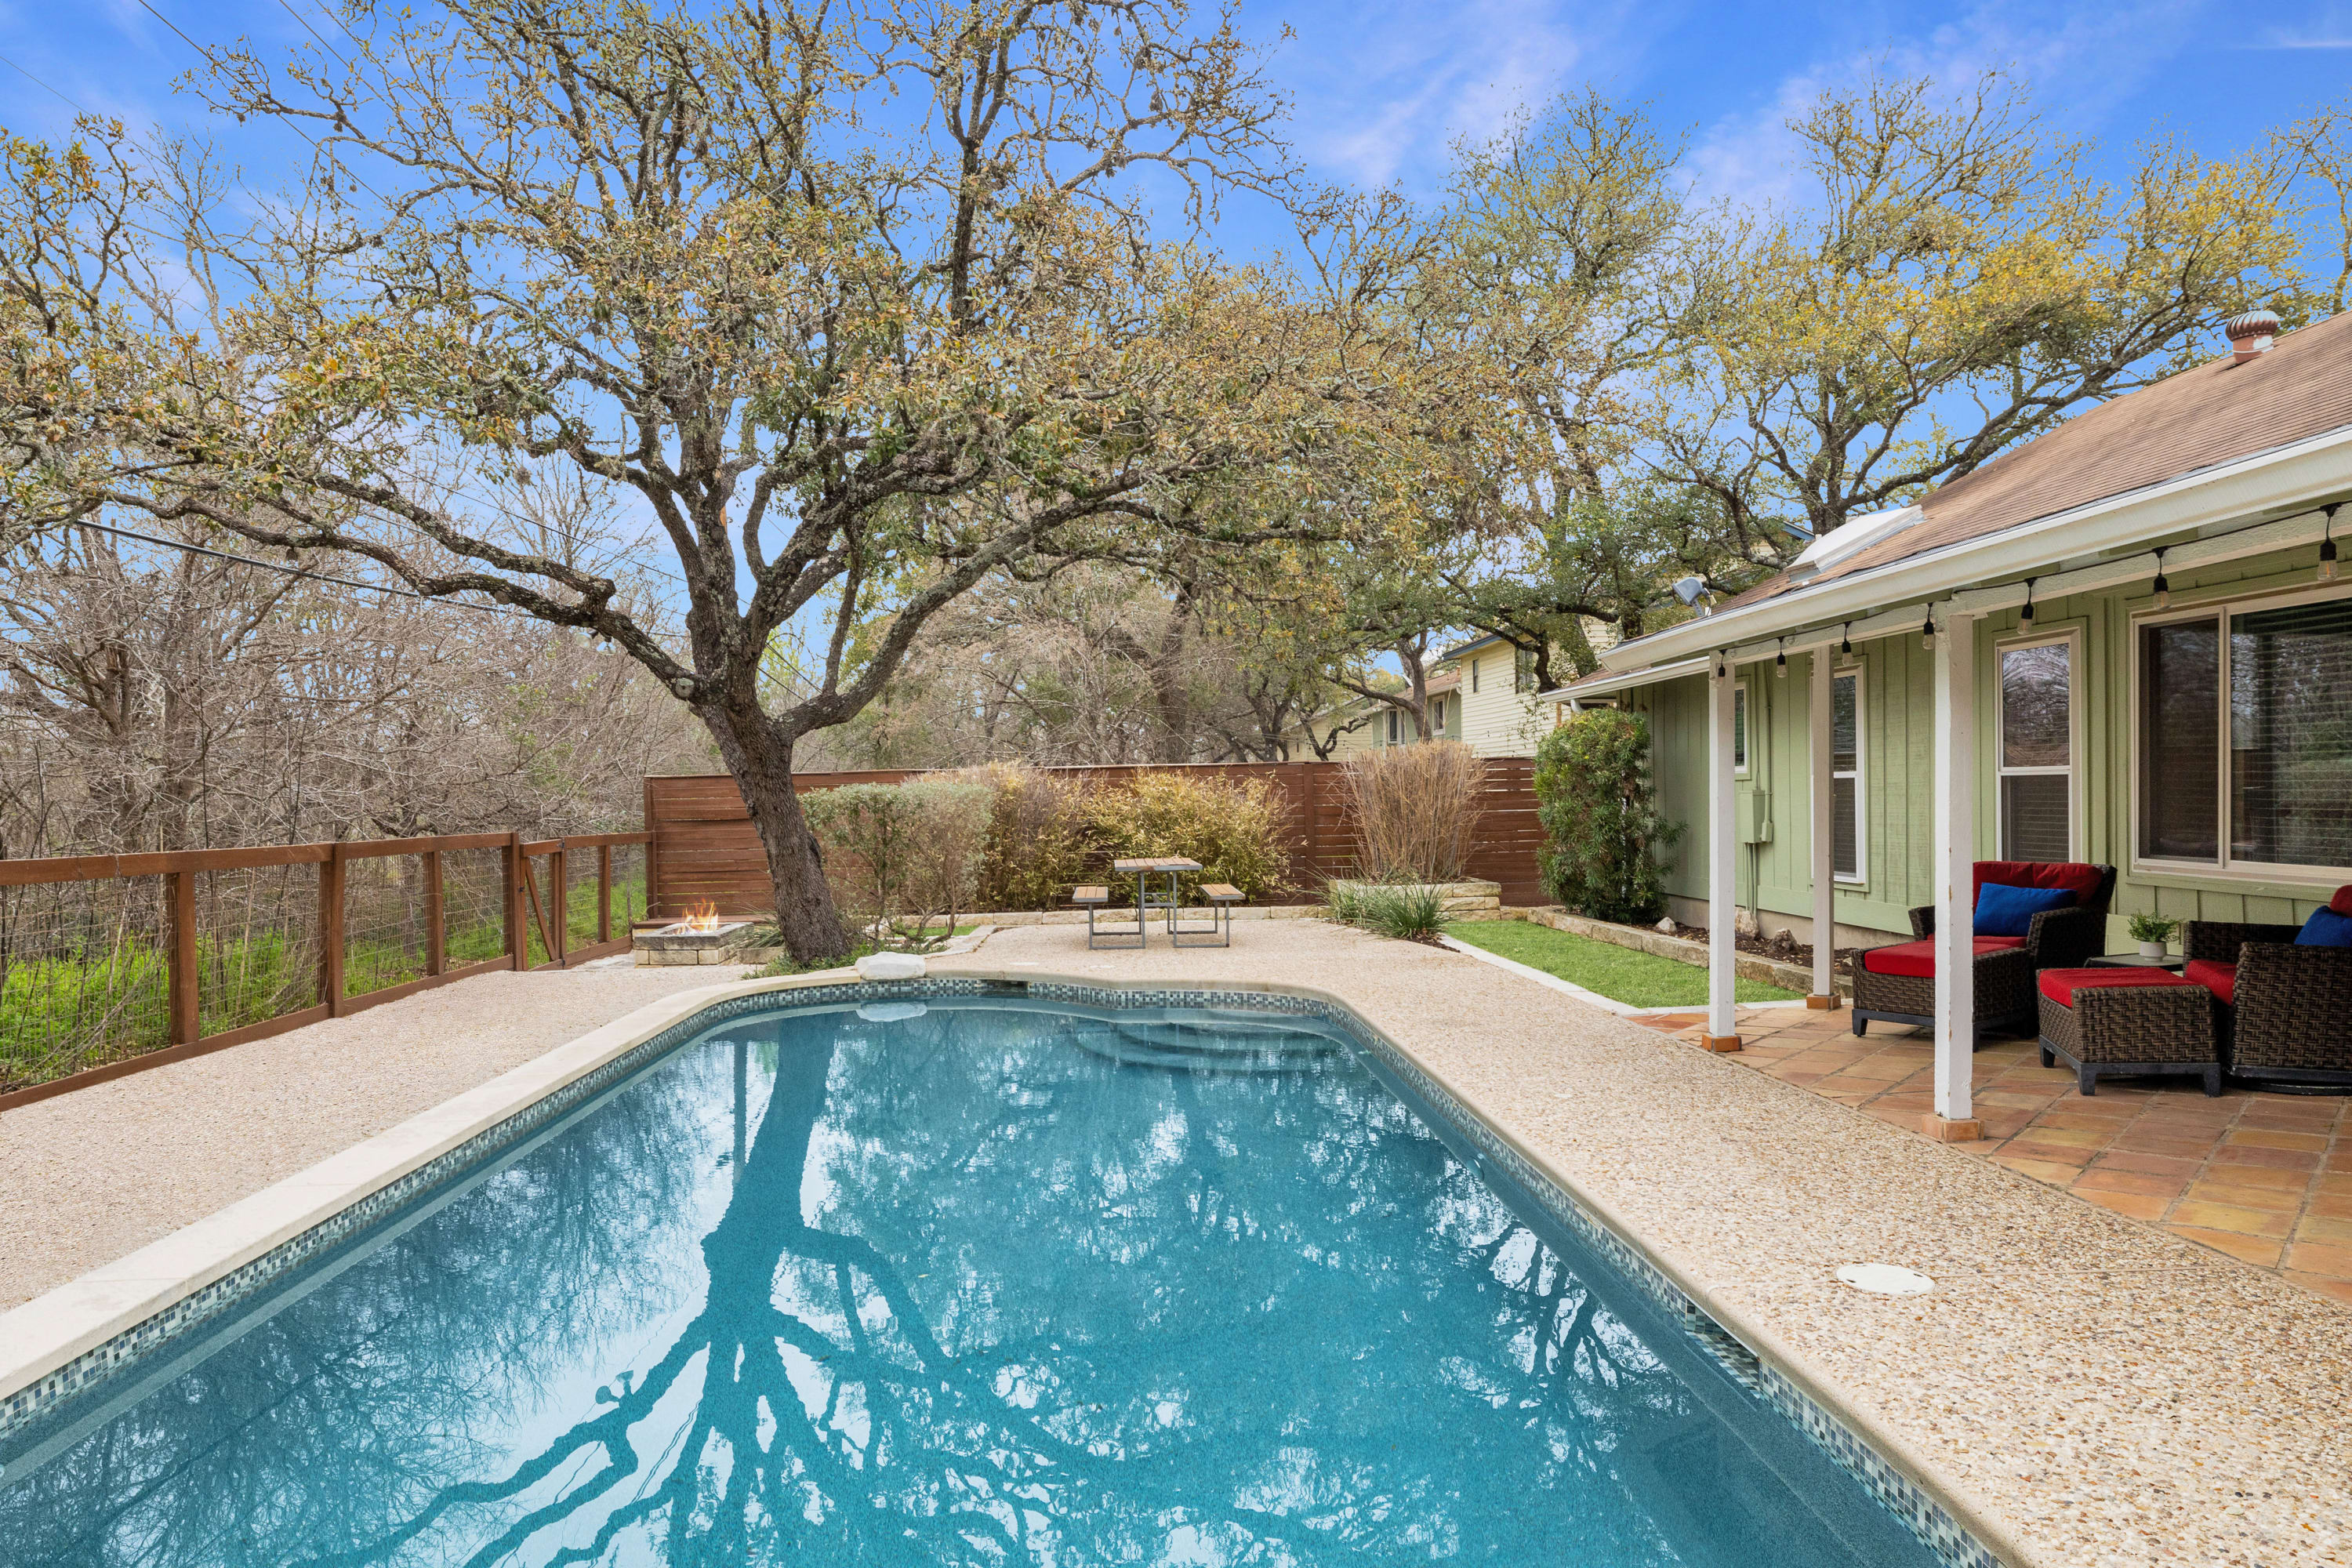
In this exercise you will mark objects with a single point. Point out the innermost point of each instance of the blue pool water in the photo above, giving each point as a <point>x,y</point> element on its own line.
<point>983,1281</point>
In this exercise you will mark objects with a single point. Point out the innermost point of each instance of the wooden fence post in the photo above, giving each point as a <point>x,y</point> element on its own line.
<point>653,860</point>
<point>559,880</point>
<point>510,900</point>
<point>437,945</point>
<point>330,931</point>
<point>183,963</point>
<point>603,892</point>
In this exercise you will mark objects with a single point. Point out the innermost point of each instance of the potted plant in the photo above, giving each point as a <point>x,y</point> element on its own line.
<point>2151,931</point>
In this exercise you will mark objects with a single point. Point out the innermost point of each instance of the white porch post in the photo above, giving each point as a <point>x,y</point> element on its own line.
<point>1722,860</point>
<point>1954,1118</point>
<point>1825,993</point>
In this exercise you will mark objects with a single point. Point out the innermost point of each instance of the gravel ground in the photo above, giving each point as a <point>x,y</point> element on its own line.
<point>91,1175</point>
<point>2108,1393</point>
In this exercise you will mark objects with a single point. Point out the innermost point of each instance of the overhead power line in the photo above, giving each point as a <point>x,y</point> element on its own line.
<point>288,571</point>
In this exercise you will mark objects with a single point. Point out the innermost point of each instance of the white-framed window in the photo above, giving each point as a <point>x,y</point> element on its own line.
<point>1393,716</point>
<point>1523,670</point>
<point>1474,675</point>
<point>1847,834</point>
<point>1740,729</point>
<point>2241,736</point>
<point>2036,738</point>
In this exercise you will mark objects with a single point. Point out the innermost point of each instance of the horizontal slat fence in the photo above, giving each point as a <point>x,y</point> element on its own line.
<point>112,963</point>
<point>704,849</point>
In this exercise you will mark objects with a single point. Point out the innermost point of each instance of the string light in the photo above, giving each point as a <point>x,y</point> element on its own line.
<point>2163,584</point>
<point>1928,632</point>
<point>1719,670</point>
<point>2025,616</point>
<point>2327,543</point>
<point>1846,646</point>
<point>1781,661</point>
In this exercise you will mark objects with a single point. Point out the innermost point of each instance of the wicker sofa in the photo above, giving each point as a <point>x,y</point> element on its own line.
<point>2285,1010</point>
<point>1897,984</point>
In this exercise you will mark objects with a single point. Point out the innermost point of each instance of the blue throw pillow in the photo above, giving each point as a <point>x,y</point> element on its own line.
<point>2325,928</point>
<point>2004,910</point>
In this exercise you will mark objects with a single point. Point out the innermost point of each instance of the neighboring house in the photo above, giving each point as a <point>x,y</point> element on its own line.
<point>1387,726</point>
<point>2142,656</point>
<point>1500,715</point>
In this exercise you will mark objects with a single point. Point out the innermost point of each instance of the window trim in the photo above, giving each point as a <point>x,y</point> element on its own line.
<point>2071,635</point>
<point>2222,604</point>
<point>1860,877</point>
<point>1474,675</point>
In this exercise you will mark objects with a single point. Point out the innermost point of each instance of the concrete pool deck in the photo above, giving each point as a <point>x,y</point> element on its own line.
<point>2097,1390</point>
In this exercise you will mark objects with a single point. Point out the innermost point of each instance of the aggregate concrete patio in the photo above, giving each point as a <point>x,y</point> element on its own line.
<point>2083,1387</point>
<point>2265,1178</point>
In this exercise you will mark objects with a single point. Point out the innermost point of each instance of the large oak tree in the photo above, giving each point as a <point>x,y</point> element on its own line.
<point>853,305</point>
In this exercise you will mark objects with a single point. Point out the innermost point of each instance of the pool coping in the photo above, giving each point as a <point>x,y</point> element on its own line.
<point>50,1335</point>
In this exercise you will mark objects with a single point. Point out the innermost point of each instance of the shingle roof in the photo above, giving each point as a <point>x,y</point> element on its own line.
<point>2217,413</point>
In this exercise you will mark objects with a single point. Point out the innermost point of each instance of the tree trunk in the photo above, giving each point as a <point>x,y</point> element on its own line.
<point>762,762</point>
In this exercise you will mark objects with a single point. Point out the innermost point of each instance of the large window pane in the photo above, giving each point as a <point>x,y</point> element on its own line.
<point>2291,735</point>
<point>1845,728</point>
<point>2036,692</point>
<point>1845,836</point>
<point>2180,740</point>
<point>2033,812</point>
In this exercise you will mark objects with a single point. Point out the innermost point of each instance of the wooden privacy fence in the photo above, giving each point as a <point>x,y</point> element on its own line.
<point>112,964</point>
<point>705,848</point>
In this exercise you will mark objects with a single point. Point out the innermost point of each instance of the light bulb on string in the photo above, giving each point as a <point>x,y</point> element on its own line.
<point>1781,661</point>
<point>2163,584</point>
<point>1928,632</point>
<point>2327,545</point>
<point>2025,616</point>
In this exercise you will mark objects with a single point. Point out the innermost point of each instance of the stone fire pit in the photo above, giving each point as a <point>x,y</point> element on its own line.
<point>684,944</point>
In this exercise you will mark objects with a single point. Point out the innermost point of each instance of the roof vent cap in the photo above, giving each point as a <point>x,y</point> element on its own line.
<point>2251,335</point>
<point>1858,535</point>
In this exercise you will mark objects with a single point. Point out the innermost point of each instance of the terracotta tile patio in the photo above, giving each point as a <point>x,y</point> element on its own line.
<point>2266,1178</point>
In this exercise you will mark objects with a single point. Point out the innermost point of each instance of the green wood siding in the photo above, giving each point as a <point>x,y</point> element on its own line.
<point>1898,803</point>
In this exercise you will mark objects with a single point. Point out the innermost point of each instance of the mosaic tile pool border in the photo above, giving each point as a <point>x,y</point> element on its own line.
<point>1924,1515</point>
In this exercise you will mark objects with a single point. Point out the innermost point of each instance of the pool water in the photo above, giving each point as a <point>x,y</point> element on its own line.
<point>980,1280</point>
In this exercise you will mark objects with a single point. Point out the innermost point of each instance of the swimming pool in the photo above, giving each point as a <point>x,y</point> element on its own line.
<point>953,1277</point>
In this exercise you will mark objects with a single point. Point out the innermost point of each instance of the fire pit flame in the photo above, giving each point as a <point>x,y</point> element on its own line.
<point>700,918</point>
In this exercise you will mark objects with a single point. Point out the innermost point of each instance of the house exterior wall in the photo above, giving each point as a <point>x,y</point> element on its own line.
<point>1898,795</point>
<point>1496,720</point>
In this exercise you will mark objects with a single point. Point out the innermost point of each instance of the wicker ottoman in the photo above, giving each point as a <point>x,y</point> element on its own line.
<point>2126,1023</point>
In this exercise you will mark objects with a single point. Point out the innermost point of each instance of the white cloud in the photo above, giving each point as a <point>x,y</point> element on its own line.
<point>2077,59</point>
<point>1384,92</point>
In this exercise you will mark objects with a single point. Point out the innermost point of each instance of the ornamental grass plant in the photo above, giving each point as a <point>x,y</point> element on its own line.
<point>1414,810</point>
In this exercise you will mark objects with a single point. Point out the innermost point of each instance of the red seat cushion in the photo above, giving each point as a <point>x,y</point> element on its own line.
<point>2342,902</point>
<point>1918,959</point>
<point>2060,984</point>
<point>2222,979</point>
<point>2080,878</point>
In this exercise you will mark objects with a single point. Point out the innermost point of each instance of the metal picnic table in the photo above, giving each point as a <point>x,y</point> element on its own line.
<point>1143,870</point>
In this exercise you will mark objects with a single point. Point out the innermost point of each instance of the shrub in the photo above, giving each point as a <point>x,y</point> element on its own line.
<point>1036,846</point>
<point>902,857</point>
<point>1604,837</point>
<point>1410,911</point>
<point>1236,832</point>
<point>1414,809</point>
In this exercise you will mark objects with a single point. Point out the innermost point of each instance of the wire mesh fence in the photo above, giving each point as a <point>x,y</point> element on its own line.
<point>88,965</point>
<point>83,976</point>
<point>582,874</point>
<point>473,912</point>
<point>628,886</point>
<point>384,922</point>
<point>256,945</point>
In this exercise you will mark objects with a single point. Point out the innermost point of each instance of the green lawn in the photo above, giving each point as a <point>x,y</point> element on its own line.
<point>1636,979</point>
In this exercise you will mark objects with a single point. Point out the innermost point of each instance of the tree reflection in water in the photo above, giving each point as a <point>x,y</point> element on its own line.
<point>974,1287</point>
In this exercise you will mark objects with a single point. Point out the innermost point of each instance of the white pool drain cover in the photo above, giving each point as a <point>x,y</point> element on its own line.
<point>891,1012</point>
<point>1885,1279</point>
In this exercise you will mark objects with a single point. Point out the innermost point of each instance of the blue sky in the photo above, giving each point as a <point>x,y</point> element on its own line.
<point>1382,89</point>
